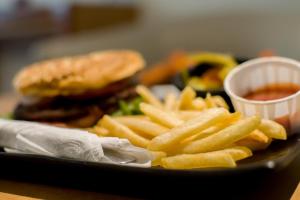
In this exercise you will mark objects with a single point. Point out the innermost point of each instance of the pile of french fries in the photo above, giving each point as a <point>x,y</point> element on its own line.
<point>188,132</point>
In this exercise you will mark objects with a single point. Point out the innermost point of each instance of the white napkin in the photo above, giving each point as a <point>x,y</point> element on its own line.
<point>36,138</point>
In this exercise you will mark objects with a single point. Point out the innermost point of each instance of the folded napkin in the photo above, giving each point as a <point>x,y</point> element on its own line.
<point>36,138</point>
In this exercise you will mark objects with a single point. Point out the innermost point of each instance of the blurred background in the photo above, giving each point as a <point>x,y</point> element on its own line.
<point>32,30</point>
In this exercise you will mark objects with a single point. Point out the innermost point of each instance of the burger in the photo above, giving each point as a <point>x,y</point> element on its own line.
<point>76,91</point>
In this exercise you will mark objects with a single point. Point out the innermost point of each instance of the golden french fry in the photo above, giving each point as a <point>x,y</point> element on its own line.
<point>119,130</point>
<point>187,114</point>
<point>214,129</point>
<point>219,102</point>
<point>170,102</point>
<point>157,156</point>
<point>205,133</point>
<point>147,96</point>
<point>158,115</point>
<point>199,104</point>
<point>142,117</point>
<point>238,152</point>
<point>256,140</point>
<point>100,131</point>
<point>223,138</point>
<point>191,114</point>
<point>233,117</point>
<point>189,128</point>
<point>209,101</point>
<point>259,136</point>
<point>253,144</point>
<point>201,160</point>
<point>273,129</point>
<point>186,98</point>
<point>144,126</point>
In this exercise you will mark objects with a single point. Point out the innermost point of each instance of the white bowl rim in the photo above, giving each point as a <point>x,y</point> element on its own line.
<point>256,61</point>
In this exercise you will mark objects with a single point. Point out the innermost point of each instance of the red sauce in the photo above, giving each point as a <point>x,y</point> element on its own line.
<point>273,91</point>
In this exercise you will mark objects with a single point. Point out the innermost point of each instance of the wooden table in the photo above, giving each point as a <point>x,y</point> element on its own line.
<point>279,185</point>
<point>14,197</point>
<point>296,194</point>
<point>20,190</point>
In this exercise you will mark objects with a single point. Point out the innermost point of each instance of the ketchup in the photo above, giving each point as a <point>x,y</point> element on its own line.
<point>273,91</point>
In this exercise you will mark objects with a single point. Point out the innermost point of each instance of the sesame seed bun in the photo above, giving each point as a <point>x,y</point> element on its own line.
<point>77,74</point>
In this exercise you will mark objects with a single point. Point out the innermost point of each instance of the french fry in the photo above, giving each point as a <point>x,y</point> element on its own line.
<point>223,138</point>
<point>158,115</point>
<point>119,130</point>
<point>147,96</point>
<point>205,133</point>
<point>209,101</point>
<point>233,117</point>
<point>157,156</point>
<point>256,140</point>
<point>219,102</point>
<point>273,129</point>
<point>100,131</point>
<point>201,160</point>
<point>253,144</point>
<point>259,136</point>
<point>186,98</point>
<point>238,152</point>
<point>187,114</point>
<point>199,104</point>
<point>175,135</point>
<point>214,129</point>
<point>125,117</point>
<point>145,126</point>
<point>170,102</point>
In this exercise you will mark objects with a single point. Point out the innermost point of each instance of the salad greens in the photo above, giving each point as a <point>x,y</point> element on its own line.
<point>131,107</point>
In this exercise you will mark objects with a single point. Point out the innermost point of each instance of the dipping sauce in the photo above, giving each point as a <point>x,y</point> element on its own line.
<point>273,91</point>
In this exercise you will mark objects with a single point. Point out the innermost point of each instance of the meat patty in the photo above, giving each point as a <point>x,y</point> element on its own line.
<point>79,112</point>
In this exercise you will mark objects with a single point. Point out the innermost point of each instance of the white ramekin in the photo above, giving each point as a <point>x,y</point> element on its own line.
<point>257,73</point>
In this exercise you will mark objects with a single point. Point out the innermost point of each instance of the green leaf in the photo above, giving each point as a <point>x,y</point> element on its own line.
<point>131,107</point>
<point>124,107</point>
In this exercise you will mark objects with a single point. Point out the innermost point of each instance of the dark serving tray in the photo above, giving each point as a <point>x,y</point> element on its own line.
<point>116,179</point>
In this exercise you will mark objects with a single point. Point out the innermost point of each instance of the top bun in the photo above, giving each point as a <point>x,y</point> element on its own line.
<point>77,74</point>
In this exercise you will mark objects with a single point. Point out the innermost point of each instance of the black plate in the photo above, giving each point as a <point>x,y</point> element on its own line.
<point>113,178</point>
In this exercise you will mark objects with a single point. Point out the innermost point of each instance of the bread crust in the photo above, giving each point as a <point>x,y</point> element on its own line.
<point>77,74</point>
